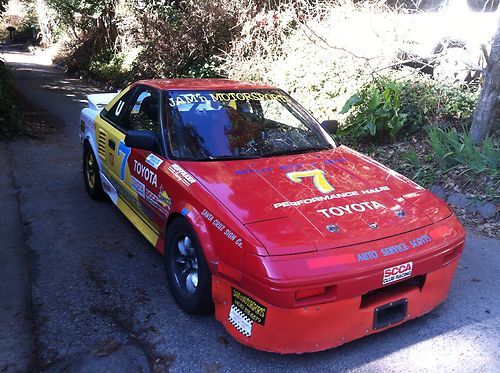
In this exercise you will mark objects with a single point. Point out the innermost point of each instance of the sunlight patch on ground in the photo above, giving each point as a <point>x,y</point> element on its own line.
<point>42,59</point>
<point>447,350</point>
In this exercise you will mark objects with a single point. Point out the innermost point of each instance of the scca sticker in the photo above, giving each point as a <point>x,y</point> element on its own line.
<point>397,273</point>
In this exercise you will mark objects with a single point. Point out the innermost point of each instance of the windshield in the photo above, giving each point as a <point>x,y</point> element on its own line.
<point>210,125</point>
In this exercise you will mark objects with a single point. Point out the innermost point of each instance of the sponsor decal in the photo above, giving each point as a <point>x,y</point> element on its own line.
<point>367,255</point>
<point>154,161</point>
<point>152,198</point>
<point>138,186</point>
<point>419,241</point>
<point>350,209</point>
<point>397,273</point>
<point>181,175</point>
<point>124,193</point>
<point>228,233</point>
<point>224,96</point>
<point>164,201</point>
<point>330,197</point>
<point>318,179</point>
<point>250,307</point>
<point>288,167</point>
<point>394,249</point>
<point>241,322</point>
<point>146,173</point>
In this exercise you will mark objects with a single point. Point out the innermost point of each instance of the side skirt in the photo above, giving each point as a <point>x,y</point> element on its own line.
<point>151,235</point>
<point>146,230</point>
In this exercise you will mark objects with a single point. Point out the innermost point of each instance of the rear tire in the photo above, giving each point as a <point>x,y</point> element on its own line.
<point>188,275</point>
<point>91,174</point>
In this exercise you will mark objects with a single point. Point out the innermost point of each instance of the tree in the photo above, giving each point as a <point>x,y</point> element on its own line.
<point>486,113</point>
<point>3,3</point>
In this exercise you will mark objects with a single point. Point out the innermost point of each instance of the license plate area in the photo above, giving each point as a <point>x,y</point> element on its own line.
<point>390,313</point>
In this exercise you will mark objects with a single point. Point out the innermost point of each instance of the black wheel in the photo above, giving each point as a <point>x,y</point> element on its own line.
<point>91,174</point>
<point>188,275</point>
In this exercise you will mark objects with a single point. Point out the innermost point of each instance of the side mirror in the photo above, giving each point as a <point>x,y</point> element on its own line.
<point>141,140</point>
<point>330,126</point>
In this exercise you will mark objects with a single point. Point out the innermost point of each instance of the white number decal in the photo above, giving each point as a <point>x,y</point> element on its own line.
<point>119,108</point>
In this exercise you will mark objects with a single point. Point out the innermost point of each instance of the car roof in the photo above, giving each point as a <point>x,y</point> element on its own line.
<point>202,84</point>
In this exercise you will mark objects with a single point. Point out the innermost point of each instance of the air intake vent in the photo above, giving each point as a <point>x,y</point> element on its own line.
<point>102,144</point>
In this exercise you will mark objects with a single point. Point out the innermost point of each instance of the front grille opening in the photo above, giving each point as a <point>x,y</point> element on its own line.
<point>373,296</point>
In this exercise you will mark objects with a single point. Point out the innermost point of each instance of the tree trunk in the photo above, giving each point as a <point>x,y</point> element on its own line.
<point>486,113</point>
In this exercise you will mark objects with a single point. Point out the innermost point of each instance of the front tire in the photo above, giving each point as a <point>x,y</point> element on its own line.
<point>91,175</point>
<point>188,275</point>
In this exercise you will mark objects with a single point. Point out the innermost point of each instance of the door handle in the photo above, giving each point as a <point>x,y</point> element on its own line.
<point>111,144</point>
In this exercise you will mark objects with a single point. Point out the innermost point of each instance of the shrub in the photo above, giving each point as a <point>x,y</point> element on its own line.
<point>375,112</point>
<point>109,68</point>
<point>180,39</point>
<point>453,148</point>
<point>10,119</point>
<point>426,101</point>
<point>383,108</point>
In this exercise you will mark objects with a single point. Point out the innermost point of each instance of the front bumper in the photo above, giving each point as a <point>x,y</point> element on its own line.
<point>266,324</point>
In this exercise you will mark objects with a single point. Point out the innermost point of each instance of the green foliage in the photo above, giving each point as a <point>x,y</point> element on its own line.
<point>375,112</point>
<point>453,148</point>
<point>421,171</point>
<point>109,68</point>
<point>425,100</point>
<point>10,119</point>
<point>88,10</point>
<point>384,109</point>
<point>206,69</point>
<point>184,37</point>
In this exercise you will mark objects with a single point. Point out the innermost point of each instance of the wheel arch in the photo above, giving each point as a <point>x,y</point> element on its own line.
<point>88,140</point>
<point>194,218</point>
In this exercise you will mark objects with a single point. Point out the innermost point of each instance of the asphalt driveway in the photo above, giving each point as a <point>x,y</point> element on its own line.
<point>98,297</point>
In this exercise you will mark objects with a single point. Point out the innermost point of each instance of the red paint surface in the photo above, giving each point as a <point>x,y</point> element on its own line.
<point>202,84</point>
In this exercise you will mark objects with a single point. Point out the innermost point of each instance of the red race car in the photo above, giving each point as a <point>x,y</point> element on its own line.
<point>301,245</point>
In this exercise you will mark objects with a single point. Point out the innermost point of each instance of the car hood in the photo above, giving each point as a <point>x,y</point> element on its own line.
<point>291,212</point>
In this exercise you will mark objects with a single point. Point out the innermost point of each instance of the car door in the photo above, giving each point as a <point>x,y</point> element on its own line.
<point>129,169</point>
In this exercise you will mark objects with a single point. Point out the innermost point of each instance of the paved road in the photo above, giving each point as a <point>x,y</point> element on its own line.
<point>99,299</point>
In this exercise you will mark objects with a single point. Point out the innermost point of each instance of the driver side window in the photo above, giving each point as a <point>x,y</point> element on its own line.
<point>143,113</point>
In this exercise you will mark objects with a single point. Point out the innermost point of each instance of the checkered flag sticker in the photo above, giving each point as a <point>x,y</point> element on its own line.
<point>240,321</point>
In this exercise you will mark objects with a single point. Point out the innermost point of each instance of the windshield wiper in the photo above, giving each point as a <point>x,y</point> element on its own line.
<point>296,151</point>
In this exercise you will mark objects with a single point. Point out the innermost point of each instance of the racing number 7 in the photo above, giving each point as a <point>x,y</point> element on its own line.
<point>125,150</point>
<point>318,178</point>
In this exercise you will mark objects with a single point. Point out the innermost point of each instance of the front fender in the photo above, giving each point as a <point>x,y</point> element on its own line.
<point>194,217</point>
